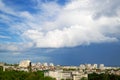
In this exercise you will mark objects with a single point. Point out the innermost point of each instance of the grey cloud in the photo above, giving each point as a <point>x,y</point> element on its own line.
<point>15,47</point>
<point>107,8</point>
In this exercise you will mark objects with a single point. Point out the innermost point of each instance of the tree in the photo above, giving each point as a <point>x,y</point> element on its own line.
<point>21,75</point>
<point>1,68</point>
<point>83,78</point>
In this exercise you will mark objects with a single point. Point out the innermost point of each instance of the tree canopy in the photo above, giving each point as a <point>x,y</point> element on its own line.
<point>103,76</point>
<point>21,75</point>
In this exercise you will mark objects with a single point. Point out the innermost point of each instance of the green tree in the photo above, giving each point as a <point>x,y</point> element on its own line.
<point>83,78</point>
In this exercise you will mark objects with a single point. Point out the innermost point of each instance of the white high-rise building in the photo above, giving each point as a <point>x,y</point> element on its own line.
<point>51,64</point>
<point>82,66</point>
<point>45,64</point>
<point>24,63</point>
<point>88,66</point>
<point>95,66</point>
<point>101,66</point>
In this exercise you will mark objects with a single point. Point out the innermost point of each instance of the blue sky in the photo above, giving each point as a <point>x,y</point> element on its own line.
<point>65,32</point>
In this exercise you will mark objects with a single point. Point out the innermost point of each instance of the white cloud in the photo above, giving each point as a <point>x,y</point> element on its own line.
<point>15,46</point>
<point>75,25</point>
<point>10,47</point>
<point>6,9</point>
<point>68,37</point>
<point>6,37</point>
<point>79,22</point>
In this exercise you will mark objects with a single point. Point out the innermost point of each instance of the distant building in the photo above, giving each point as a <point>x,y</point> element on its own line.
<point>25,63</point>
<point>95,66</point>
<point>51,64</point>
<point>82,66</point>
<point>1,64</point>
<point>101,66</point>
<point>88,66</point>
<point>45,64</point>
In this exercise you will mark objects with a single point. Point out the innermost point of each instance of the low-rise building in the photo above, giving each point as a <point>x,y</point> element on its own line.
<point>59,74</point>
<point>80,76</point>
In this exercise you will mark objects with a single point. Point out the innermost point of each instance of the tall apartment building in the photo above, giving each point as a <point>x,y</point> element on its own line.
<point>25,63</point>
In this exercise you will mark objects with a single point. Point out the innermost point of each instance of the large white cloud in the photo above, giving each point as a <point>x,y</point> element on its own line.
<point>68,37</point>
<point>76,24</point>
<point>79,22</point>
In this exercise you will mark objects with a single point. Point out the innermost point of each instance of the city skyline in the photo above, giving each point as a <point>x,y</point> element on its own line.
<point>65,32</point>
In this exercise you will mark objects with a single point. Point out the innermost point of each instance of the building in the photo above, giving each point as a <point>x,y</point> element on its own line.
<point>66,75</point>
<point>25,63</point>
<point>101,66</point>
<point>80,76</point>
<point>45,64</point>
<point>95,66</point>
<point>51,64</point>
<point>1,64</point>
<point>55,74</point>
<point>82,66</point>
<point>59,74</point>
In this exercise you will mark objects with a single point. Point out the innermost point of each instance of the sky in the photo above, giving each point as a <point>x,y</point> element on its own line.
<point>64,32</point>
